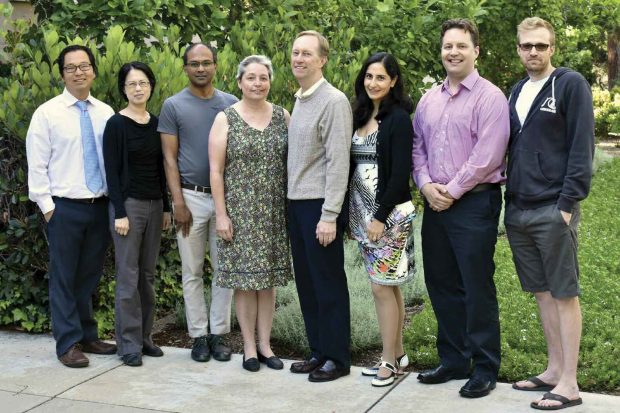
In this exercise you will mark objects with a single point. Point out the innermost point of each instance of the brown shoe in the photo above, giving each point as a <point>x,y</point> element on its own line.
<point>98,347</point>
<point>306,366</point>
<point>74,358</point>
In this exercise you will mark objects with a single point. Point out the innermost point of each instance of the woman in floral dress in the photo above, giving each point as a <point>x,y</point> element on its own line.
<point>247,156</point>
<point>381,211</point>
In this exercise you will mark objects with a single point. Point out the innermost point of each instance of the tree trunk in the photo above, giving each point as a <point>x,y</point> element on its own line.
<point>613,58</point>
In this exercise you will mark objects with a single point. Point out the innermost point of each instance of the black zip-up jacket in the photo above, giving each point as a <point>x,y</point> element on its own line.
<point>550,155</point>
<point>394,146</point>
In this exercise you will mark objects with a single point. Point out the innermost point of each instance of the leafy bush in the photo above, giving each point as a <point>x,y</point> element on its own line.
<point>606,111</point>
<point>523,344</point>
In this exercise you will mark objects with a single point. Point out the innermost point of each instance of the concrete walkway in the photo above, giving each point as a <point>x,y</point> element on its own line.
<point>32,380</point>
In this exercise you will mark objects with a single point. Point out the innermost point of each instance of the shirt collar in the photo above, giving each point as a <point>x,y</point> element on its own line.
<point>311,90</point>
<point>70,99</point>
<point>467,83</point>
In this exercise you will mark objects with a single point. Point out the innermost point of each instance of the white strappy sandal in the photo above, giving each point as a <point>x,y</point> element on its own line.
<point>385,381</point>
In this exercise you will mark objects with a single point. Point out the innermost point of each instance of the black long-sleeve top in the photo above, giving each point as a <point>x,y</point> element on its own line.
<point>133,162</point>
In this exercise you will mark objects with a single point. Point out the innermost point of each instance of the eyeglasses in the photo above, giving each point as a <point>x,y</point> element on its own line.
<point>540,47</point>
<point>143,84</point>
<point>196,65</point>
<point>84,67</point>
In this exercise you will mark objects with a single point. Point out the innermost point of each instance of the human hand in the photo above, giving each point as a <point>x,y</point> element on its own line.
<point>437,196</point>
<point>182,219</point>
<point>567,216</point>
<point>375,230</point>
<point>224,228</point>
<point>121,226</point>
<point>325,232</point>
<point>167,221</point>
<point>48,215</point>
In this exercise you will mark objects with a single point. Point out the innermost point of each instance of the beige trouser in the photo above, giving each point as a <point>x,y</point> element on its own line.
<point>192,250</point>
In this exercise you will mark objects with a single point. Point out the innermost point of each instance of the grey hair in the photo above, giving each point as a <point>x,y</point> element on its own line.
<point>260,59</point>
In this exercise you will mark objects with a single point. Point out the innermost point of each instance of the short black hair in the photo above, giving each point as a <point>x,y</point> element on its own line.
<point>396,98</point>
<point>191,46</point>
<point>464,24</point>
<point>126,68</point>
<point>74,48</point>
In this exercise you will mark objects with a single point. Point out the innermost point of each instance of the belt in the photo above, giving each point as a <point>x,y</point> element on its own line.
<point>197,188</point>
<point>83,200</point>
<point>484,187</point>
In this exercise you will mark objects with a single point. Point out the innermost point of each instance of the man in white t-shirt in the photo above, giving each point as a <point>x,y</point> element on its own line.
<point>549,172</point>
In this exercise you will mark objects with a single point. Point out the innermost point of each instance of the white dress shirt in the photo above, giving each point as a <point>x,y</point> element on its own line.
<point>54,149</point>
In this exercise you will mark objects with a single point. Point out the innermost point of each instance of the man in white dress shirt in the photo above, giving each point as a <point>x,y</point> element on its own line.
<point>66,179</point>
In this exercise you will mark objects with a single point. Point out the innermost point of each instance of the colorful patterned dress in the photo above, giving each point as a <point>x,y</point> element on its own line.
<point>258,256</point>
<point>388,261</point>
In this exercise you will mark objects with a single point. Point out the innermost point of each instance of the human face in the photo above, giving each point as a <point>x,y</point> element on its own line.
<point>458,54</point>
<point>79,82</point>
<point>306,60</point>
<point>202,75</point>
<point>136,94</point>
<point>536,63</point>
<point>255,82</point>
<point>377,82</point>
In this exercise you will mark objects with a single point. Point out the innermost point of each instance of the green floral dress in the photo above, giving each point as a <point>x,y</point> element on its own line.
<point>258,256</point>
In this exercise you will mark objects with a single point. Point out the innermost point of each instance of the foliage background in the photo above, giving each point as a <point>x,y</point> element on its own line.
<point>116,30</point>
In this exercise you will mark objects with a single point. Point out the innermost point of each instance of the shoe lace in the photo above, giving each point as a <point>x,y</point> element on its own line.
<point>216,340</point>
<point>200,342</point>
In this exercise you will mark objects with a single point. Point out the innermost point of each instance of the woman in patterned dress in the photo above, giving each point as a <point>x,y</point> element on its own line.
<point>380,209</point>
<point>247,155</point>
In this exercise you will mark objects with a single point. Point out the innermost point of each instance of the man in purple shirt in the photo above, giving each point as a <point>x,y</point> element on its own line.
<point>461,130</point>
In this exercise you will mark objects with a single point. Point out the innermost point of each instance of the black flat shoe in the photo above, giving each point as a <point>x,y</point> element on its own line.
<point>152,351</point>
<point>132,359</point>
<point>477,387</point>
<point>272,362</point>
<point>251,364</point>
<point>441,374</point>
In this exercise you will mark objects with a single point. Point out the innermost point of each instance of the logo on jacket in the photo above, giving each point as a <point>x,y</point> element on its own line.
<point>548,105</point>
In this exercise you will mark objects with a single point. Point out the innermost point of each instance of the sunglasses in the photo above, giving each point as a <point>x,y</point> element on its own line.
<point>540,47</point>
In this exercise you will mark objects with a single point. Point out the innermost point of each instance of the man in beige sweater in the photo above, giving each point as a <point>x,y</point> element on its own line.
<point>318,168</point>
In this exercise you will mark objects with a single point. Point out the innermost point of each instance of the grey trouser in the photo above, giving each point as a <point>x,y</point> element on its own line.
<point>193,250</point>
<point>136,256</point>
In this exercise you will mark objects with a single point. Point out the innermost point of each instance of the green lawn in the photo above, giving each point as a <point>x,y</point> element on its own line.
<point>523,345</point>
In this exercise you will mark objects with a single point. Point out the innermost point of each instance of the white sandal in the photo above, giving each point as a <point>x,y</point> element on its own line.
<point>372,371</point>
<point>401,363</point>
<point>385,381</point>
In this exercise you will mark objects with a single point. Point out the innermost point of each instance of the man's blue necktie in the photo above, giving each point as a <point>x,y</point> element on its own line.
<point>92,172</point>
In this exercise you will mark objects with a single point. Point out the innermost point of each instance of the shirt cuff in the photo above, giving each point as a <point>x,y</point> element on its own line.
<point>328,216</point>
<point>455,190</point>
<point>423,180</point>
<point>46,204</point>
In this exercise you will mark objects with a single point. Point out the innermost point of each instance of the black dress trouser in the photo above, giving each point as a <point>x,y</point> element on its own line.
<point>458,245</point>
<point>321,284</point>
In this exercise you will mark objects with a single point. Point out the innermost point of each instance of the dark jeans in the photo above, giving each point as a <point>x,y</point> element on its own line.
<point>78,238</point>
<point>136,257</point>
<point>458,246</point>
<point>321,284</point>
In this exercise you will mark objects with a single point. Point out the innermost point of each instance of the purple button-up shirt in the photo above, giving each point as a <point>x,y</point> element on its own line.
<point>460,139</point>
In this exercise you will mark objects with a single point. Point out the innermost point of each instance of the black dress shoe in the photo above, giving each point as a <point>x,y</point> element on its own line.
<point>152,351</point>
<point>98,347</point>
<point>219,349</point>
<point>251,364</point>
<point>327,372</point>
<point>306,366</point>
<point>477,387</point>
<point>272,362</point>
<point>441,374</point>
<point>200,349</point>
<point>132,359</point>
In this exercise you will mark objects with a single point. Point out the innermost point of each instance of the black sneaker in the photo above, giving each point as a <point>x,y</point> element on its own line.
<point>200,349</point>
<point>221,352</point>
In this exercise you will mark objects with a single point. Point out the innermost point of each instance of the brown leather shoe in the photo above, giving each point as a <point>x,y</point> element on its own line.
<point>74,358</point>
<point>98,347</point>
<point>306,366</point>
<point>328,372</point>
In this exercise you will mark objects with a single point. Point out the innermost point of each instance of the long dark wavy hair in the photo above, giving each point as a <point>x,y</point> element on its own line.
<point>397,97</point>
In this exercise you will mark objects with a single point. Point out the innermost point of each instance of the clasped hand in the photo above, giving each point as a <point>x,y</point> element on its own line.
<point>437,196</point>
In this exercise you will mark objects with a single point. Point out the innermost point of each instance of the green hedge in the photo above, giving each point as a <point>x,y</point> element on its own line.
<point>523,344</point>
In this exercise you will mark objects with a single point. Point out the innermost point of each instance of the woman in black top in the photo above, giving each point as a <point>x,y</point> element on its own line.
<point>139,210</point>
<point>380,209</point>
